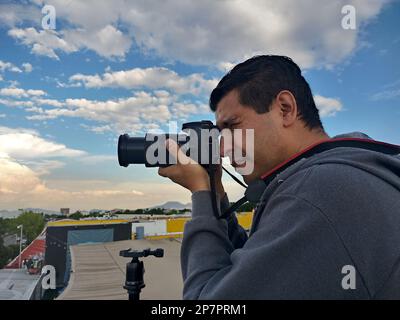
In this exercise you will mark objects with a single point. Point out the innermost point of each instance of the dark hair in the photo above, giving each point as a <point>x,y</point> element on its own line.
<point>260,79</point>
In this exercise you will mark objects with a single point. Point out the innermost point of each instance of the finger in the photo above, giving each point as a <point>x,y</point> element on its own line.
<point>176,152</point>
<point>163,172</point>
<point>168,172</point>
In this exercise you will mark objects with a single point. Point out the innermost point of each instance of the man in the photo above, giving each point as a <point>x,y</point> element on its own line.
<point>326,227</point>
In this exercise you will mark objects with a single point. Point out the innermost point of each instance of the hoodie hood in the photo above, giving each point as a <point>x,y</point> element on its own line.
<point>382,165</point>
<point>359,150</point>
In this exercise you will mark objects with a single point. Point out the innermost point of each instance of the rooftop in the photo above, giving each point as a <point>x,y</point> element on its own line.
<point>17,284</point>
<point>98,272</point>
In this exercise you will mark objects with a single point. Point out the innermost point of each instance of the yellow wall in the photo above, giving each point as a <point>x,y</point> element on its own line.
<point>245,219</point>
<point>177,225</point>
<point>165,236</point>
<point>84,222</point>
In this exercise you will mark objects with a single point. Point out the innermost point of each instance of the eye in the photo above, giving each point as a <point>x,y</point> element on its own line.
<point>234,125</point>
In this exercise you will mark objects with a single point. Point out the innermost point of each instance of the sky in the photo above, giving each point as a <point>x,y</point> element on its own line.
<point>114,67</point>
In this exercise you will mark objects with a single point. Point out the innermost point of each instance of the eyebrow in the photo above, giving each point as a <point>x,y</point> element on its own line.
<point>226,122</point>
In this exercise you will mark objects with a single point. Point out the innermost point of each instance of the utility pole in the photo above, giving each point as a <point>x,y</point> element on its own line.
<point>20,244</point>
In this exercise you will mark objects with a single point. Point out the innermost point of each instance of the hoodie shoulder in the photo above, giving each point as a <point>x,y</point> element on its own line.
<point>343,173</point>
<point>354,134</point>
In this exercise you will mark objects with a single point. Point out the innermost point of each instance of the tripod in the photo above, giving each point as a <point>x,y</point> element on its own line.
<point>134,282</point>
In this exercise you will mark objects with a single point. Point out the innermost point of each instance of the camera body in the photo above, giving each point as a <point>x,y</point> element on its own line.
<point>199,141</point>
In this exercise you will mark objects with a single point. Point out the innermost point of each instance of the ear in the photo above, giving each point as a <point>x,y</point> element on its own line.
<point>287,107</point>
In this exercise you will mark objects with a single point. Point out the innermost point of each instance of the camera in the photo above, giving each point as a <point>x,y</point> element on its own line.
<point>199,141</point>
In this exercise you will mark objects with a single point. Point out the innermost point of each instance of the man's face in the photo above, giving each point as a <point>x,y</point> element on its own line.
<point>269,143</point>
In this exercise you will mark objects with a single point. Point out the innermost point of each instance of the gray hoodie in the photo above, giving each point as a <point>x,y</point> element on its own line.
<point>327,227</point>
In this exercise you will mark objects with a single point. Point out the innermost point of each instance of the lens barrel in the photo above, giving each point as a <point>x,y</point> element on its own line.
<point>131,150</point>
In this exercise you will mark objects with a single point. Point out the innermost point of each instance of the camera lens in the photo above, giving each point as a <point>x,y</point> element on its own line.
<point>131,150</point>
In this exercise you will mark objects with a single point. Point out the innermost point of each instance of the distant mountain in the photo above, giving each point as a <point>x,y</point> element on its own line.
<point>16,213</point>
<point>9,214</point>
<point>174,205</point>
<point>39,210</point>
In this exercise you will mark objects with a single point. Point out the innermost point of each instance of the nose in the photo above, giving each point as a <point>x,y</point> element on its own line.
<point>221,148</point>
<point>225,148</point>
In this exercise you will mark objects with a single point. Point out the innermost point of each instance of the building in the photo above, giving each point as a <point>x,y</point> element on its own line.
<point>10,239</point>
<point>64,211</point>
<point>62,234</point>
<point>172,227</point>
<point>35,248</point>
<point>17,284</point>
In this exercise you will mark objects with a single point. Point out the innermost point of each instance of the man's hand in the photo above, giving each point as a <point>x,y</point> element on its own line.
<point>187,172</point>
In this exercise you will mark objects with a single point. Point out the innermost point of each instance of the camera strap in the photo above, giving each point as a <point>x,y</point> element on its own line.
<point>256,188</point>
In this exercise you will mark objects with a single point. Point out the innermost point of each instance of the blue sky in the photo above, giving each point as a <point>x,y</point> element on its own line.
<point>112,67</point>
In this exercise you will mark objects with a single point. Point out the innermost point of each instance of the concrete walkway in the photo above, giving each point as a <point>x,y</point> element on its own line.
<point>17,284</point>
<point>98,272</point>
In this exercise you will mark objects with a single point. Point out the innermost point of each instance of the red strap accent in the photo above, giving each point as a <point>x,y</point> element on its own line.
<point>265,175</point>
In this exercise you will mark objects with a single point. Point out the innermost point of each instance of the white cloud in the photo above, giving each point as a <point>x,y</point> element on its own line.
<point>13,103</point>
<point>31,92</point>
<point>208,32</point>
<point>107,42</point>
<point>48,102</point>
<point>13,14</point>
<point>8,66</point>
<point>21,186</point>
<point>21,93</point>
<point>225,66</point>
<point>141,111</point>
<point>327,106</point>
<point>16,92</point>
<point>152,78</point>
<point>386,95</point>
<point>102,193</point>
<point>43,167</point>
<point>27,67</point>
<point>43,42</point>
<point>25,157</point>
<point>19,178</point>
<point>388,92</point>
<point>213,31</point>
<point>98,129</point>
<point>28,144</point>
<point>15,178</point>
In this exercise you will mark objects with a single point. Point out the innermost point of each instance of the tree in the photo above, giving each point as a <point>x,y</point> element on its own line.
<point>76,216</point>
<point>33,224</point>
<point>3,252</point>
